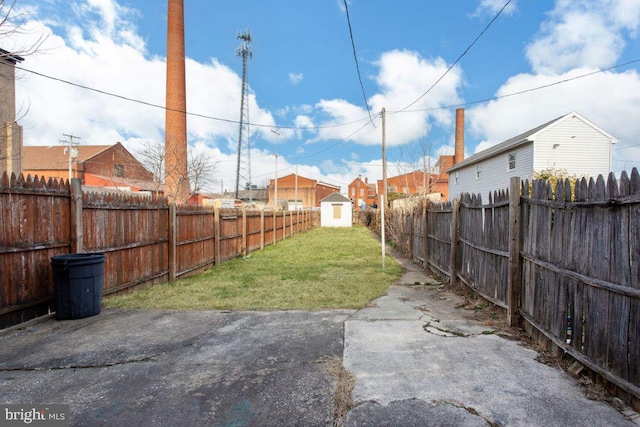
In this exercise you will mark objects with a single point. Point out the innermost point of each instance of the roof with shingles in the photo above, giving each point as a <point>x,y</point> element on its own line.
<point>42,157</point>
<point>335,197</point>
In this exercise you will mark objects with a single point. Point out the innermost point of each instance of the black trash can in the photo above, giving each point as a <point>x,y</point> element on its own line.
<point>78,280</point>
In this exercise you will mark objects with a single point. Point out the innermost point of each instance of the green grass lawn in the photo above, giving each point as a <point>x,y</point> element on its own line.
<point>324,268</point>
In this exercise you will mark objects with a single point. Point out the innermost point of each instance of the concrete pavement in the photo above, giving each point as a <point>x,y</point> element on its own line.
<point>416,358</point>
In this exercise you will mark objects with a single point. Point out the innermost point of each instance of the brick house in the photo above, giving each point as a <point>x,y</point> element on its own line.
<point>95,165</point>
<point>362,194</point>
<point>309,191</point>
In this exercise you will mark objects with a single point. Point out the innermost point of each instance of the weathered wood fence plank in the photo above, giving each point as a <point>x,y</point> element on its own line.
<point>563,261</point>
<point>145,240</point>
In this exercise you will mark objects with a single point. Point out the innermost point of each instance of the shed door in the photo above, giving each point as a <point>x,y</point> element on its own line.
<point>337,211</point>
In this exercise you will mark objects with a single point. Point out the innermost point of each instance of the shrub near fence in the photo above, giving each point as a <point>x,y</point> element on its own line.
<point>565,264</point>
<point>146,240</point>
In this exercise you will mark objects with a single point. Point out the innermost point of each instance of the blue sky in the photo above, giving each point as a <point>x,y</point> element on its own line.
<point>303,81</point>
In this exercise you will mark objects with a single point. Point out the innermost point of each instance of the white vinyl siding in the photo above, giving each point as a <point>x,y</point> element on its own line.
<point>570,143</point>
<point>579,149</point>
<point>494,173</point>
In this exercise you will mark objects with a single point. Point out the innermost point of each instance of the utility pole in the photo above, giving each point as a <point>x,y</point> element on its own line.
<point>70,150</point>
<point>245,51</point>
<point>383,197</point>
<point>384,152</point>
<point>275,182</point>
<point>295,191</point>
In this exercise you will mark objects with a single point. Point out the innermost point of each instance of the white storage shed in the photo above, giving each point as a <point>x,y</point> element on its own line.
<point>336,210</point>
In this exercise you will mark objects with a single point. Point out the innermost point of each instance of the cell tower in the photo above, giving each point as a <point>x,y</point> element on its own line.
<point>245,52</point>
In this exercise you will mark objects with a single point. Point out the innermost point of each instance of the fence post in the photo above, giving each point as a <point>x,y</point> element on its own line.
<point>216,226</point>
<point>453,259</point>
<point>77,238</point>
<point>284,225</point>
<point>411,230</point>
<point>290,223</point>
<point>261,229</point>
<point>172,242</point>
<point>515,242</point>
<point>244,232</point>
<point>275,227</point>
<point>425,235</point>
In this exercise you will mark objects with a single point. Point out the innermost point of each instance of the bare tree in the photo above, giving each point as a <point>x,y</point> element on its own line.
<point>201,170</point>
<point>12,30</point>
<point>415,166</point>
<point>151,155</point>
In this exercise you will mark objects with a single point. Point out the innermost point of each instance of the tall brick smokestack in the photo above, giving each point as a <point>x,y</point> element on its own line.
<point>176,181</point>
<point>459,148</point>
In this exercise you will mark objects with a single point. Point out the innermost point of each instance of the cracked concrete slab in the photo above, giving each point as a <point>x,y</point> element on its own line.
<point>420,358</point>
<point>414,412</point>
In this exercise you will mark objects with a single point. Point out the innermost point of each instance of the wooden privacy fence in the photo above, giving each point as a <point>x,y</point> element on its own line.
<point>564,262</point>
<point>146,240</point>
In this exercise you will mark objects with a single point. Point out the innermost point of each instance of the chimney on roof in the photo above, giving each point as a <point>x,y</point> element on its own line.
<point>459,147</point>
<point>366,180</point>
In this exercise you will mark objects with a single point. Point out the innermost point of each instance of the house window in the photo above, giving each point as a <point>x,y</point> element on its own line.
<point>478,171</point>
<point>353,192</point>
<point>512,161</point>
<point>119,170</point>
<point>361,192</point>
<point>457,177</point>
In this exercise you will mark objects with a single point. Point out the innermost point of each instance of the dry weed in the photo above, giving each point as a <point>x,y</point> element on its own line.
<point>345,381</point>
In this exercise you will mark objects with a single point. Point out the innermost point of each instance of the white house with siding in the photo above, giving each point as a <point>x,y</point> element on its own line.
<point>570,143</point>
<point>336,210</point>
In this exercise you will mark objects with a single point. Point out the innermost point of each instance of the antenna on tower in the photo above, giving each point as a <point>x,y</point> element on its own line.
<point>245,51</point>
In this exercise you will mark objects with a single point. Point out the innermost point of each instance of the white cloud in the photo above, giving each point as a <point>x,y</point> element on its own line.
<point>491,7</point>
<point>295,78</point>
<point>608,99</point>
<point>580,37</point>
<point>583,33</point>
<point>402,78</point>
<point>86,56</point>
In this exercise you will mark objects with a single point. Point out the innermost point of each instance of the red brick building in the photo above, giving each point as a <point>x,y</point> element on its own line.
<point>309,191</point>
<point>362,194</point>
<point>95,165</point>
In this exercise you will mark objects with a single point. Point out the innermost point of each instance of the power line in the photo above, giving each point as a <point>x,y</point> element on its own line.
<point>481,101</point>
<point>355,58</point>
<point>332,126</point>
<point>459,57</point>
<point>162,107</point>
<point>624,148</point>
<point>336,144</point>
